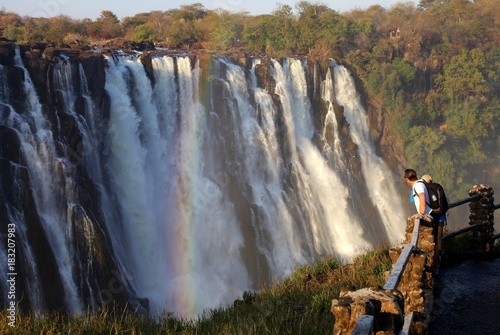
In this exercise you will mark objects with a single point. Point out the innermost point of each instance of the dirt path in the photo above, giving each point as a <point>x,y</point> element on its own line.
<point>467,299</point>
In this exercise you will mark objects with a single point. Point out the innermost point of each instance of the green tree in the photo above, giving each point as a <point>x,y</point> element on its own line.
<point>225,31</point>
<point>36,29</point>
<point>269,36</point>
<point>272,38</point>
<point>405,71</point>
<point>179,34</point>
<point>391,82</point>
<point>463,119</point>
<point>492,71</point>
<point>335,28</point>
<point>191,12</point>
<point>58,28</point>
<point>183,29</point>
<point>424,144</point>
<point>463,76</point>
<point>308,26</point>
<point>285,28</point>
<point>255,34</point>
<point>28,29</point>
<point>144,32</point>
<point>13,33</point>
<point>131,23</point>
<point>84,27</point>
<point>443,168</point>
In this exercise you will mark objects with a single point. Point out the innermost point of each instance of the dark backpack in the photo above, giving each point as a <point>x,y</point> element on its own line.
<point>437,198</point>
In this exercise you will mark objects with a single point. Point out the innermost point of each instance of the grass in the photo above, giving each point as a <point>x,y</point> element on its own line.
<point>299,304</point>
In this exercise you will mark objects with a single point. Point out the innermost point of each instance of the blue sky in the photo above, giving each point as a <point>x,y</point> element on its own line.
<point>79,9</point>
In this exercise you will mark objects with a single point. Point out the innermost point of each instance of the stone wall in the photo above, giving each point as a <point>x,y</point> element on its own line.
<point>482,214</point>
<point>412,296</point>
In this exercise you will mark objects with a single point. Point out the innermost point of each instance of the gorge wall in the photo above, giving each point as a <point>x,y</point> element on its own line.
<point>178,181</point>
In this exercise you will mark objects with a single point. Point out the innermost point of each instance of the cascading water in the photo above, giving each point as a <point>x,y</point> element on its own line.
<point>323,194</point>
<point>201,200</point>
<point>17,216</point>
<point>135,235</point>
<point>168,239</point>
<point>50,177</point>
<point>308,227</point>
<point>380,188</point>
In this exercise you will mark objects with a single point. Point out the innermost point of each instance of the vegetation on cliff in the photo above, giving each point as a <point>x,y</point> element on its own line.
<point>430,72</point>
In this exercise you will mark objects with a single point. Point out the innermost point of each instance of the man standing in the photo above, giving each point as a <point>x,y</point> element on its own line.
<point>421,197</point>
<point>419,192</point>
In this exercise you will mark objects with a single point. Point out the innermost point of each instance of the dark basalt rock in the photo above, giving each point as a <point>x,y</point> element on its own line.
<point>15,194</point>
<point>7,52</point>
<point>10,145</point>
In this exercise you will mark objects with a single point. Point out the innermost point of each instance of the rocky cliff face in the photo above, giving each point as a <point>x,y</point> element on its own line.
<point>95,270</point>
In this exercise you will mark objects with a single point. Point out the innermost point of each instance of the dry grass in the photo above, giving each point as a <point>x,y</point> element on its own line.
<point>299,304</point>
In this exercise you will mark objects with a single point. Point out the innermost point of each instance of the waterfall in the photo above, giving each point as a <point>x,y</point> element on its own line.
<point>15,214</point>
<point>172,216</point>
<point>381,187</point>
<point>51,182</point>
<point>130,170</point>
<point>201,199</point>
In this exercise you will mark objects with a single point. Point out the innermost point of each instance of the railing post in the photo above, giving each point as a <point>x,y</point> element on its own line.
<point>482,214</point>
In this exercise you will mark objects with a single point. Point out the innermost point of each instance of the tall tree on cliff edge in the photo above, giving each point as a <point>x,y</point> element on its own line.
<point>107,26</point>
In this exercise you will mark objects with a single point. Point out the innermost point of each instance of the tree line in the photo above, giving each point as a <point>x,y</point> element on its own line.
<point>431,69</point>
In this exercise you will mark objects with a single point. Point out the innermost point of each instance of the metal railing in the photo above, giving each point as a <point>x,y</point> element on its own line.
<point>460,231</point>
<point>464,201</point>
<point>472,227</point>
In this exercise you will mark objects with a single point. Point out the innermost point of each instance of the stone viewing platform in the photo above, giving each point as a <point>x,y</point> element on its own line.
<point>467,299</point>
<point>411,299</point>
